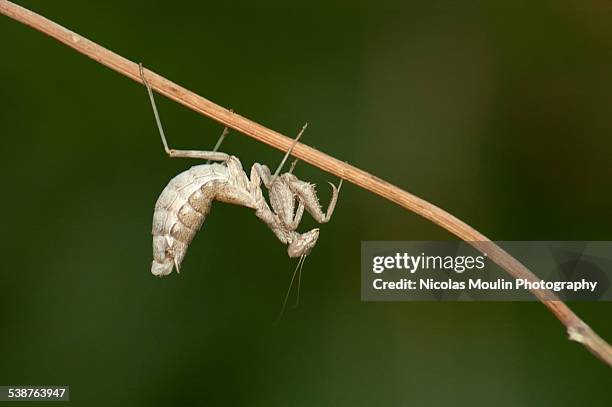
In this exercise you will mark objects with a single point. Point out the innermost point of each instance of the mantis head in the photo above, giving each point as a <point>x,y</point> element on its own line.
<point>303,244</point>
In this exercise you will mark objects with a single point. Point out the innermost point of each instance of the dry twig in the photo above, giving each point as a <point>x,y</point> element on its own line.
<point>576,328</point>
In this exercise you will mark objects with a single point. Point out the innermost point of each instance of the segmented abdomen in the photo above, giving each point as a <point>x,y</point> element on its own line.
<point>180,211</point>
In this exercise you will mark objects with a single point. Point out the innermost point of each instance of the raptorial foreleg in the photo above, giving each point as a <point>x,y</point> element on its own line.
<point>307,195</point>
<point>262,210</point>
<point>263,174</point>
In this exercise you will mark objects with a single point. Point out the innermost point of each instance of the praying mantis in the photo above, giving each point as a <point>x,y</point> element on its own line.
<point>185,202</point>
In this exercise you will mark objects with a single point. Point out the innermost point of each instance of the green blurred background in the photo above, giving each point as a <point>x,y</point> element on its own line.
<point>499,112</point>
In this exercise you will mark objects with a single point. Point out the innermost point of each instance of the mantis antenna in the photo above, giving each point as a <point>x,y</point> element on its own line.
<point>299,265</point>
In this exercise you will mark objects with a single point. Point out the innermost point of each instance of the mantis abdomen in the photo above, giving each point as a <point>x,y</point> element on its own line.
<point>180,212</point>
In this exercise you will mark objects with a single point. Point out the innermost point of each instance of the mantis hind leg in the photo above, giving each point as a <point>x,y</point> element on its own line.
<point>203,155</point>
<point>221,138</point>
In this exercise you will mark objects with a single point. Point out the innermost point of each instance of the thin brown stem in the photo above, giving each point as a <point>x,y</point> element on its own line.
<point>576,328</point>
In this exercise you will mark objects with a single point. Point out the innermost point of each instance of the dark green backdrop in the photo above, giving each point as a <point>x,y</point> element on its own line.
<point>500,112</point>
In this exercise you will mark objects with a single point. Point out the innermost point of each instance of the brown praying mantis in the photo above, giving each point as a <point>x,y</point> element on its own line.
<point>186,201</point>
